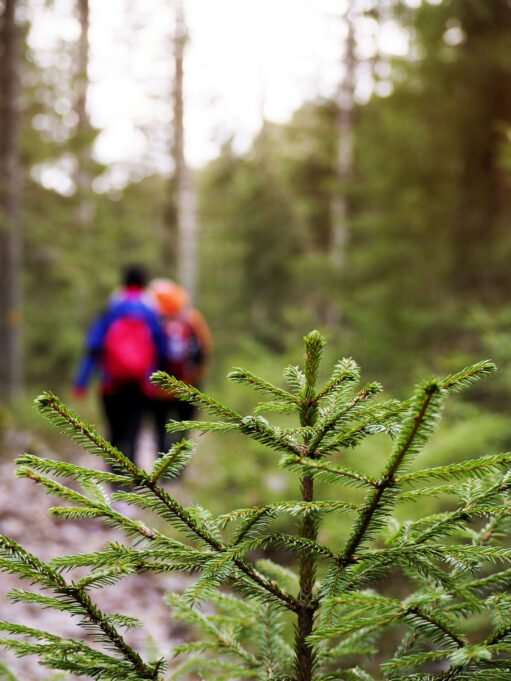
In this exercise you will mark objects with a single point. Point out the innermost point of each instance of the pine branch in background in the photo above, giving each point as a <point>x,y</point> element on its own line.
<point>320,617</point>
<point>6,674</point>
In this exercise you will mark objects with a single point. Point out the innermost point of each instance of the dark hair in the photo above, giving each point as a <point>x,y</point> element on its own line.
<point>134,275</point>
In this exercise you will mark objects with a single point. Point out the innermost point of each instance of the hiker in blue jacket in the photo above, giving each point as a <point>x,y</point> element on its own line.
<point>126,343</point>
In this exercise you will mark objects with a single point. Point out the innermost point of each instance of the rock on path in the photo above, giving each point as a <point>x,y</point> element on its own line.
<point>24,518</point>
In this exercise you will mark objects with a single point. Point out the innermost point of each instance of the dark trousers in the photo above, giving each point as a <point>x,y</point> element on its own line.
<point>162,412</point>
<point>123,410</point>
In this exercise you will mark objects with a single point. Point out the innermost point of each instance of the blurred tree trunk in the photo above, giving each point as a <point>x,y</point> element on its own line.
<point>484,187</point>
<point>83,177</point>
<point>10,219</point>
<point>344,162</point>
<point>186,201</point>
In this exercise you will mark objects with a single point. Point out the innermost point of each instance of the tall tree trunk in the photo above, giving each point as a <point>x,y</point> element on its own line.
<point>83,176</point>
<point>10,220</point>
<point>186,201</point>
<point>344,162</point>
<point>484,188</point>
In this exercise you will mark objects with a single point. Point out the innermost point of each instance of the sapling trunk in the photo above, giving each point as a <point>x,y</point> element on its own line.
<point>304,651</point>
<point>304,664</point>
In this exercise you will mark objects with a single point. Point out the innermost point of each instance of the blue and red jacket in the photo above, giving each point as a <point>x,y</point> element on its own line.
<point>128,302</point>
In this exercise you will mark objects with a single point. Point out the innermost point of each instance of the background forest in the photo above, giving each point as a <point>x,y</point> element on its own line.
<point>377,212</point>
<point>382,219</point>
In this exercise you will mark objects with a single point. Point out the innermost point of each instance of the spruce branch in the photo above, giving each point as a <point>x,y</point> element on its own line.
<point>277,407</point>
<point>345,371</point>
<point>24,564</point>
<point>467,377</point>
<point>260,430</point>
<point>255,426</point>
<point>475,467</point>
<point>420,493</point>
<point>300,545</point>
<point>292,507</point>
<point>379,497</point>
<point>314,345</point>
<point>192,395</point>
<point>81,432</point>
<point>65,469</point>
<point>327,472</point>
<point>173,462</point>
<point>278,573</point>
<point>332,420</point>
<point>187,520</point>
<point>416,432</point>
<point>501,579</point>
<point>71,598</point>
<point>452,567</point>
<point>239,375</point>
<point>382,417</point>
<point>502,634</point>
<point>56,489</point>
<point>168,557</point>
<point>416,659</point>
<point>206,624</point>
<point>296,378</point>
<point>377,611</point>
<point>6,674</point>
<point>203,426</point>
<point>253,519</point>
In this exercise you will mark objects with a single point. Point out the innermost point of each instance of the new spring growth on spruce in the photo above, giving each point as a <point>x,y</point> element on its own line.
<point>436,586</point>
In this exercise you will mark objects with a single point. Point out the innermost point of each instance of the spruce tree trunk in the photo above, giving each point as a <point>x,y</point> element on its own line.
<point>186,209</point>
<point>10,219</point>
<point>344,162</point>
<point>305,658</point>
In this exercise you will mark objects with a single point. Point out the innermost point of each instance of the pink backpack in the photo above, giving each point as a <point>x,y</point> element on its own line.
<point>129,353</point>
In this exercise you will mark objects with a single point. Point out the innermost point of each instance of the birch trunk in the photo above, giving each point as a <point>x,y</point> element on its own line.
<point>186,202</point>
<point>83,176</point>
<point>344,161</point>
<point>10,219</point>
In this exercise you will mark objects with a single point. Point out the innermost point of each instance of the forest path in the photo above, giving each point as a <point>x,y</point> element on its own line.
<point>24,518</point>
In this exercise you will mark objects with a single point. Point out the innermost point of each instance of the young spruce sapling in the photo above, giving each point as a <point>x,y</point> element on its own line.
<point>323,619</point>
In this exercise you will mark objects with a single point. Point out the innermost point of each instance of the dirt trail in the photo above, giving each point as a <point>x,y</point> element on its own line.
<point>24,518</point>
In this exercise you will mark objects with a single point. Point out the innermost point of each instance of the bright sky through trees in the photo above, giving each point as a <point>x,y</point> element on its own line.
<point>243,58</point>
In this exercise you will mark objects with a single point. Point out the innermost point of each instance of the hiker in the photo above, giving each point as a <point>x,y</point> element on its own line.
<point>127,344</point>
<point>189,346</point>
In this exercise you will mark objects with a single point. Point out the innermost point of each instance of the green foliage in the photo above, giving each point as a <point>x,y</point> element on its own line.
<point>428,214</point>
<point>427,240</point>
<point>322,613</point>
<point>6,674</point>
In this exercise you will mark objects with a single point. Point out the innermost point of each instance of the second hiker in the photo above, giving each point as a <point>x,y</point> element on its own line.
<point>189,346</point>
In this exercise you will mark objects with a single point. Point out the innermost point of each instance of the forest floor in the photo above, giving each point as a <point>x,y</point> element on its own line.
<point>24,518</point>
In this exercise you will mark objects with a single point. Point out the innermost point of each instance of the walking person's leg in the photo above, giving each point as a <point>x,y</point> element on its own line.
<point>160,413</point>
<point>134,408</point>
<point>123,410</point>
<point>113,411</point>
